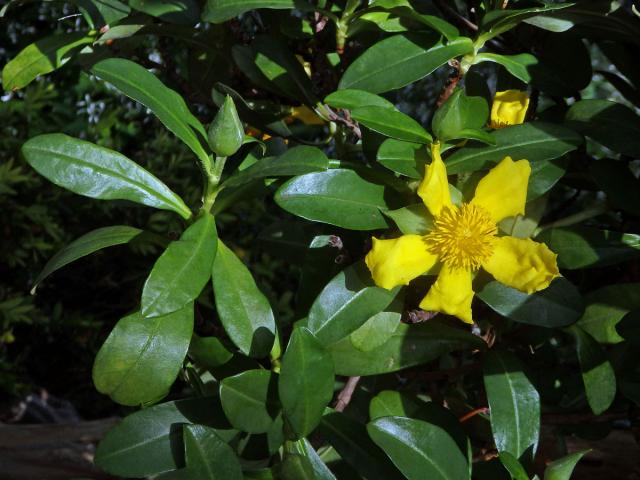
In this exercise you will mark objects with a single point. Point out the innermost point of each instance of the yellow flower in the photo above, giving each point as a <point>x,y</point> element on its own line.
<point>305,115</point>
<point>464,239</point>
<point>509,108</point>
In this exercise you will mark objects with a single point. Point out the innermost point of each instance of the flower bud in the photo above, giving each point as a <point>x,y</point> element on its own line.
<point>226,133</point>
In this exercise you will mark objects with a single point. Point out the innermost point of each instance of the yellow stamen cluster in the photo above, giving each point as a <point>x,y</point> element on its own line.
<point>462,236</point>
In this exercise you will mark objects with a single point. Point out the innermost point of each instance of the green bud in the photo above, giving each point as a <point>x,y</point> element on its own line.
<point>225,132</point>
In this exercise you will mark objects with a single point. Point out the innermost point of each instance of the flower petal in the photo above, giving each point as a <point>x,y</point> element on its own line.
<point>503,191</point>
<point>509,108</point>
<point>398,261</point>
<point>434,188</point>
<point>451,294</point>
<point>522,263</point>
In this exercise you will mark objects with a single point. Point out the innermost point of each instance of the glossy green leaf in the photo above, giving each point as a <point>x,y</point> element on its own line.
<point>544,175</point>
<point>534,141</point>
<point>249,400</point>
<point>144,87</point>
<point>97,172</point>
<point>513,466</point>
<point>350,439</point>
<point>629,327</point>
<point>348,301</point>
<point>609,123</point>
<point>401,59</point>
<point>562,469</point>
<point>352,98</point>
<point>514,404</point>
<point>409,345</point>
<point>606,307</point>
<point>243,309</point>
<point>405,158</point>
<point>43,56</point>
<point>104,12</point>
<point>459,114</point>
<point>141,357</point>
<point>391,123</point>
<point>302,462</point>
<point>517,65</point>
<point>419,449</point>
<point>339,197</point>
<point>582,247</point>
<point>391,403</point>
<point>181,12</point>
<point>182,271</point>
<point>209,351</point>
<point>208,457</point>
<point>218,11</point>
<point>306,382</point>
<point>412,219</point>
<point>375,331</point>
<point>149,441</point>
<point>597,373</point>
<point>295,161</point>
<point>558,305</point>
<point>89,243</point>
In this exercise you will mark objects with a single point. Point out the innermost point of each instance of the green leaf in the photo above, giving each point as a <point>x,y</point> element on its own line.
<point>85,245</point>
<point>458,116</point>
<point>249,400</point>
<point>405,158</point>
<point>149,441</point>
<point>208,457</point>
<point>597,373</point>
<point>295,161</point>
<point>339,197</point>
<point>244,311</point>
<point>181,12</point>
<point>412,219</point>
<point>103,12</point>
<point>182,271</point>
<point>534,141</point>
<point>558,305</point>
<point>306,382</point>
<point>606,307</point>
<point>97,172</point>
<point>391,123</point>
<point>562,468</point>
<point>209,352</point>
<point>517,65</point>
<point>43,56</point>
<point>409,345</point>
<point>376,331</point>
<point>141,357</point>
<point>400,60</point>
<point>513,466</point>
<point>419,449</point>
<point>218,11</point>
<point>390,403</point>
<point>348,301</point>
<point>144,87</point>
<point>350,439</point>
<point>582,247</point>
<point>352,98</point>
<point>514,404</point>
<point>608,123</point>
<point>544,175</point>
<point>301,462</point>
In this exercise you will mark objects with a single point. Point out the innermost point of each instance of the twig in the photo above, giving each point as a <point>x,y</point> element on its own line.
<point>455,17</point>
<point>346,120</point>
<point>451,84</point>
<point>344,397</point>
<point>473,413</point>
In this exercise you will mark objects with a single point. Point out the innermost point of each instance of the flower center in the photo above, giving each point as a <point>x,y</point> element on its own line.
<point>462,236</point>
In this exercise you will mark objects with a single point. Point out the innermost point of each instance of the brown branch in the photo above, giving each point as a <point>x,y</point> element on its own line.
<point>455,17</point>
<point>344,397</point>
<point>346,121</point>
<point>451,84</point>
